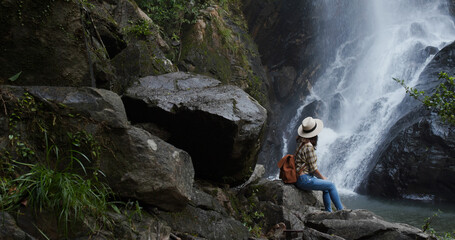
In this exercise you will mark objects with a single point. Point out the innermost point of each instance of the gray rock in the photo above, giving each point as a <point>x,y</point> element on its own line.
<point>205,218</point>
<point>218,125</point>
<point>257,175</point>
<point>101,105</point>
<point>9,229</point>
<point>145,167</point>
<point>402,170</point>
<point>288,196</point>
<point>136,164</point>
<point>361,224</point>
<point>282,202</point>
<point>140,58</point>
<point>311,234</point>
<point>203,200</point>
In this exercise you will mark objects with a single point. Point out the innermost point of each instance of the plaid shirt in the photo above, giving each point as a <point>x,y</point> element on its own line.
<point>306,159</point>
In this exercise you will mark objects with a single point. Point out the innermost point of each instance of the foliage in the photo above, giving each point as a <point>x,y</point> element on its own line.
<point>85,3</point>
<point>15,77</point>
<point>140,28</point>
<point>170,15</point>
<point>426,227</point>
<point>132,210</point>
<point>249,213</point>
<point>61,178</point>
<point>67,195</point>
<point>25,108</point>
<point>442,101</point>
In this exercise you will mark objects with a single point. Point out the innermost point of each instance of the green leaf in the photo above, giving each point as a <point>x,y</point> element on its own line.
<point>15,77</point>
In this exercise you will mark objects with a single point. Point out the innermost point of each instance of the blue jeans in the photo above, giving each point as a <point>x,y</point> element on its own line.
<point>329,191</point>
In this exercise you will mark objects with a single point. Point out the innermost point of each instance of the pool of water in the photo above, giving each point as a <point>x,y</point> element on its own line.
<point>410,212</point>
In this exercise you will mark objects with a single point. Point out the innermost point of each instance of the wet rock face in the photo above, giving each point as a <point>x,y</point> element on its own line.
<point>219,126</point>
<point>417,158</point>
<point>283,31</point>
<point>283,48</point>
<point>417,164</point>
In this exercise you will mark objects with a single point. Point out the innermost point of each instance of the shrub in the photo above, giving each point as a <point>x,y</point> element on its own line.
<point>442,101</point>
<point>55,173</point>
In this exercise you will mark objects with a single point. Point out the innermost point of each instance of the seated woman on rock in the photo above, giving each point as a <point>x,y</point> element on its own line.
<point>305,159</point>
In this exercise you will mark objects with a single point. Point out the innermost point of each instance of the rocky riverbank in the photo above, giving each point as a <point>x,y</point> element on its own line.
<point>140,166</point>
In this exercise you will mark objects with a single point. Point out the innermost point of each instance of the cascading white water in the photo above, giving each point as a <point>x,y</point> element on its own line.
<point>357,88</point>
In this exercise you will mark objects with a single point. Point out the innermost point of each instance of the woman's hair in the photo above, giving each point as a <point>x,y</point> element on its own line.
<point>313,140</point>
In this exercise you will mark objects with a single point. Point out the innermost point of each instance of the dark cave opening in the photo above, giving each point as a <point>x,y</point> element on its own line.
<point>208,138</point>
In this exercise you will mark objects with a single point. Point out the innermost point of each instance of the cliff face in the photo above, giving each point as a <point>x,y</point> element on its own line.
<point>109,44</point>
<point>112,44</point>
<point>284,32</point>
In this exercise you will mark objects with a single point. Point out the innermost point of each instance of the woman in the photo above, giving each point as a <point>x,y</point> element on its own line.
<point>305,158</point>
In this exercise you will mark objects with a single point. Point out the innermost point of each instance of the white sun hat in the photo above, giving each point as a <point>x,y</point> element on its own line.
<point>310,127</point>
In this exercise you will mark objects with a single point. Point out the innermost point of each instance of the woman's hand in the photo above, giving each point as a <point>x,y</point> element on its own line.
<point>319,175</point>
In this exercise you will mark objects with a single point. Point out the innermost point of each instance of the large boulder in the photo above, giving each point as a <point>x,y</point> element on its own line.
<point>421,147</point>
<point>136,164</point>
<point>145,167</point>
<point>9,229</point>
<point>218,125</point>
<point>206,216</point>
<point>280,202</point>
<point>361,224</point>
<point>100,105</point>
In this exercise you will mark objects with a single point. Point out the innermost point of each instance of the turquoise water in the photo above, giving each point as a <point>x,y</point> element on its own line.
<point>410,212</point>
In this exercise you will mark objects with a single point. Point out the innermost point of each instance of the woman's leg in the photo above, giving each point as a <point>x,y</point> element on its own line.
<point>327,201</point>
<point>329,191</point>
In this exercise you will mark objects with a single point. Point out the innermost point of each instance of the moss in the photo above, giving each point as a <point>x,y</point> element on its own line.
<point>247,210</point>
<point>254,89</point>
<point>206,60</point>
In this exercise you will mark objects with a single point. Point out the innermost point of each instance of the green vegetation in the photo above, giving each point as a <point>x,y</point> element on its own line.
<point>140,28</point>
<point>249,213</point>
<point>15,77</point>
<point>171,15</point>
<point>428,229</point>
<point>51,170</point>
<point>442,101</point>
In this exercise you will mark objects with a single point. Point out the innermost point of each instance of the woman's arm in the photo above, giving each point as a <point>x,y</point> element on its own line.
<point>319,174</point>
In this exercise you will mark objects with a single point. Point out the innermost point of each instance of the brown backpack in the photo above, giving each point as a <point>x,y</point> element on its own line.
<point>288,172</point>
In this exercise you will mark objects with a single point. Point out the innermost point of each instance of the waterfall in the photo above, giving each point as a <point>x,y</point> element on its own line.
<point>387,39</point>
